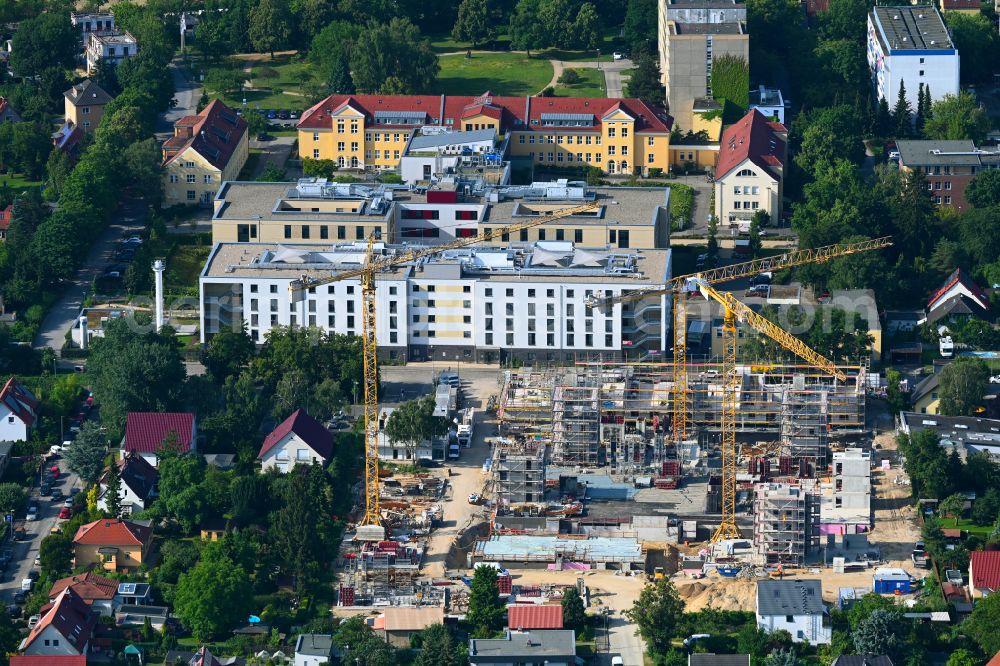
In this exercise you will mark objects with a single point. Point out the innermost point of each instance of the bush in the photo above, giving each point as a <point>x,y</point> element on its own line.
<point>548,92</point>
<point>655,172</point>
<point>569,77</point>
<point>390,178</point>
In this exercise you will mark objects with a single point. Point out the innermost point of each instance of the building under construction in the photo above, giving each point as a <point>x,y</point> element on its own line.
<point>786,524</point>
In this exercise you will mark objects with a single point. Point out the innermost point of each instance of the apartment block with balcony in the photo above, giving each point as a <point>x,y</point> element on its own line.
<point>485,305</point>
<point>112,47</point>
<point>317,212</point>
<point>101,23</point>
<point>371,131</point>
<point>786,520</point>
<point>948,167</point>
<point>205,150</point>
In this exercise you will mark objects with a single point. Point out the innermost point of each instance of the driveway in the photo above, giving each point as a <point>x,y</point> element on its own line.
<point>613,79</point>
<point>274,153</point>
<point>186,95</point>
<point>129,219</point>
<point>24,552</point>
<point>624,641</point>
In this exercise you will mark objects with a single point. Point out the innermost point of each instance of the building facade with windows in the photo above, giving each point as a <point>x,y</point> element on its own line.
<point>85,104</point>
<point>113,47</point>
<point>205,150</point>
<point>948,167</point>
<point>484,305</point>
<point>750,173</point>
<point>317,212</point>
<point>373,131</point>
<point>102,23</point>
<point>910,45</point>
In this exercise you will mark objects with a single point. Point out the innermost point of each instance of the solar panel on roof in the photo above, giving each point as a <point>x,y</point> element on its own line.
<point>217,131</point>
<point>568,119</point>
<point>228,117</point>
<point>400,117</point>
<point>126,588</point>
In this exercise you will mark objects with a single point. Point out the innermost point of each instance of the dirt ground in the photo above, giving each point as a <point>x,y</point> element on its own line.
<point>607,588</point>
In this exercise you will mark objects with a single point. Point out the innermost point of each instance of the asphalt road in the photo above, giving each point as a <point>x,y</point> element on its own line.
<point>24,552</point>
<point>623,640</point>
<point>186,94</point>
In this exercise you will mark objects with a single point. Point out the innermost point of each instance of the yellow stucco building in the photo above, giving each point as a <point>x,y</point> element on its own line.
<point>85,104</point>
<point>205,151</point>
<point>112,544</point>
<point>372,131</point>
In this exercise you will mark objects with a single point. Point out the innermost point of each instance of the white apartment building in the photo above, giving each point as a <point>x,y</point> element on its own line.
<point>113,47</point>
<point>485,305</point>
<point>911,45</point>
<point>846,501</point>
<point>93,22</point>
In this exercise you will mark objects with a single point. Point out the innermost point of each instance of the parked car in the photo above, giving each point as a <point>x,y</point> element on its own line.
<point>33,574</point>
<point>126,255</point>
<point>20,597</point>
<point>263,136</point>
<point>272,115</point>
<point>57,494</point>
<point>33,620</point>
<point>474,498</point>
<point>293,115</point>
<point>133,239</point>
<point>32,513</point>
<point>617,55</point>
<point>45,489</point>
<point>14,610</point>
<point>762,278</point>
<point>115,271</point>
<point>284,114</point>
<point>759,291</point>
<point>68,503</point>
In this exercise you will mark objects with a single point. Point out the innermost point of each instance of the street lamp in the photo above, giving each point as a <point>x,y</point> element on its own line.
<point>355,391</point>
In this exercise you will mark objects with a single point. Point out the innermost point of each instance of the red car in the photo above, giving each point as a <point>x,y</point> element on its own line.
<point>65,512</point>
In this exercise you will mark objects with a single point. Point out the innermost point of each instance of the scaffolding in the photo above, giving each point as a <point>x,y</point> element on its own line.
<point>524,410</point>
<point>785,524</point>
<point>520,477</point>
<point>576,419</point>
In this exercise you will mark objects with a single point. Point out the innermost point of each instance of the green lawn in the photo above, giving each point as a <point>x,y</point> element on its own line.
<point>184,265</point>
<point>501,73</point>
<point>591,84</point>
<point>251,164</point>
<point>17,181</point>
<point>275,82</point>
<point>968,526</point>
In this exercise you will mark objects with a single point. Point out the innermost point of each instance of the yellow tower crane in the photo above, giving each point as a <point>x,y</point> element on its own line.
<point>375,263</point>
<point>736,310</point>
<point>723,274</point>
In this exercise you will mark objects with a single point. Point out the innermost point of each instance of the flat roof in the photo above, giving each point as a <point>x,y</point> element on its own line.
<point>619,205</point>
<point>537,643</point>
<point>968,431</point>
<point>962,152</point>
<point>518,547</point>
<point>727,28</point>
<point>241,200</point>
<point>912,28</point>
<point>436,140</point>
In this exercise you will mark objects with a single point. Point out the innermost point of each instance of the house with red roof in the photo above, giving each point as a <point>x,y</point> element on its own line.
<point>984,573</point>
<point>206,150</point>
<point>618,136</point>
<point>96,591</point>
<point>149,433</point>
<point>112,544</point>
<point>298,440</point>
<point>534,616</point>
<point>6,215</point>
<point>958,298</point>
<point>65,628</point>
<point>750,172</point>
<point>18,411</point>
<point>138,484</point>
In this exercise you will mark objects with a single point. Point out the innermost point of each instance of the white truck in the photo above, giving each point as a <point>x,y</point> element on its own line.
<point>466,428</point>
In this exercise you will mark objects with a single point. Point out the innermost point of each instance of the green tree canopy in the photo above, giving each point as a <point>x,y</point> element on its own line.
<point>86,456</point>
<point>438,648</point>
<point>976,39</point>
<point>645,81</point>
<point>983,191</point>
<point>12,497</point>
<point>393,58</point>
<point>228,351</point>
<point>56,554</point>
<point>486,608</point>
<point>982,625</point>
<point>657,613</point>
<point>964,382</point>
<point>270,25</point>
<point>953,506</point>
<point>574,614</point>
<point>414,422</point>
<point>955,117</point>
<point>476,23</point>
<point>45,40</point>
<point>213,597</point>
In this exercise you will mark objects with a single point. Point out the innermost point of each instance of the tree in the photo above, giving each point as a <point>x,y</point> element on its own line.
<point>486,608</point>
<point>393,55</point>
<point>898,401</point>
<point>12,498</point>
<point>639,29</point>
<point>883,118</point>
<point>86,456</point>
<point>982,625</point>
<point>56,554</point>
<point>181,494</point>
<point>955,117</point>
<point>250,498</point>
<point>962,657</point>
<point>526,30</point>
<point>213,597</point>
<point>225,80</point>
<point>574,614</point>
<point>586,29</point>
<point>826,135</point>
<point>759,220</point>
<point>46,40</point>
<point>475,23</point>
<point>902,114</point>
<point>953,506</point>
<point>964,382</point>
<point>921,117</point>
<point>361,645</point>
<point>303,529</point>
<point>986,507</point>
<point>783,657</point>
<point>882,632</point>
<point>657,613</point>
<point>983,191</point>
<point>270,25</point>
<point>228,351</point>
<point>438,648</point>
<point>645,82</point>
<point>414,422</point>
<point>113,494</point>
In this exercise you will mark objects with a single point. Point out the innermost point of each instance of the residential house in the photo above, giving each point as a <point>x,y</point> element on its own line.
<point>93,22</point>
<point>112,544</point>
<point>84,105</point>
<point>770,102</point>
<point>18,411</point>
<point>314,650</point>
<point>958,299</point>
<point>135,615</point>
<point>49,660</point>
<point>909,45</point>
<point>214,529</point>
<point>971,7</point>
<point>96,591</point>
<point>146,434</point>
<point>206,150</point>
<point>534,616</point>
<point>926,396</point>
<point>68,138</point>
<point>750,173</point>
<point>133,594</point>
<point>298,440</point>
<point>201,657</point>
<point>708,659</point>
<point>528,648</point>
<point>795,606</point>
<point>112,47</point>
<point>615,135</point>
<point>398,623</point>
<point>862,660</point>
<point>948,166</point>
<point>7,112</point>
<point>984,573</point>
<point>138,484</point>
<point>6,216</point>
<point>65,628</point>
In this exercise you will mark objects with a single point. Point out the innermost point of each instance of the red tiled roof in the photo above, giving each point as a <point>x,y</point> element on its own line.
<point>113,532</point>
<point>49,660</point>
<point>19,401</point>
<point>146,431</point>
<point>89,586</point>
<point>215,133</point>
<point>957,277</point>
<point>535,616</point>
<point>5,217</point>
<point>995,661</point>
<point>753,137</point>
<point>985,567</point>
<point>514,112</point>
<point>71,617</point>
<point>308,429</point>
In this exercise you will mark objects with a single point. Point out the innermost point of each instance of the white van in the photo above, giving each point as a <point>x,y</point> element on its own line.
<point>27,584</point>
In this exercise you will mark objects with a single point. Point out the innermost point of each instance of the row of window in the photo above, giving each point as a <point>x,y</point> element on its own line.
<point>746,189</point>
<point>550,340</point>
<point>550,324</point>
<point>945,200</point>
<point>191,178</point>
<point>324,232</point>
<point>747,205</point>
<point>937,185</point>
